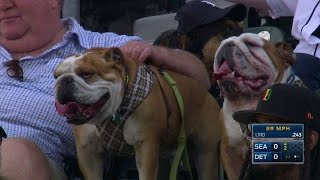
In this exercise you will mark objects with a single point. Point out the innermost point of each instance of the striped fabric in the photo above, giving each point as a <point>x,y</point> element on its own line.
<point>27,108</point>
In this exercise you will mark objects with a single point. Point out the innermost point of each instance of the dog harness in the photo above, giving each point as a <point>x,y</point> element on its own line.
<point>111,129</point>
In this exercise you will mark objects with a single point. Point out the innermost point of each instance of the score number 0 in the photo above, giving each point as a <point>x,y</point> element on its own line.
<point>275,147</point>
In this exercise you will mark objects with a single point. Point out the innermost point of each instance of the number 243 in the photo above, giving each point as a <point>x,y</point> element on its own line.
<point>297,135</point>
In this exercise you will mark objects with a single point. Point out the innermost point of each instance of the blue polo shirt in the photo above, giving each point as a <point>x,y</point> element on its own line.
<point>27,108</point>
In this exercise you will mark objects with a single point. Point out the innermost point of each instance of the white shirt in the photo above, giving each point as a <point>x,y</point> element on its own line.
<point>306,20</point>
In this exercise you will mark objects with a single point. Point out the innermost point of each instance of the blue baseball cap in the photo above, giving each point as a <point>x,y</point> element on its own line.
<point>197,13</point>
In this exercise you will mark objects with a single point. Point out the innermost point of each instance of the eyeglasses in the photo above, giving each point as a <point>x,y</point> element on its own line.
<point>14,69</point>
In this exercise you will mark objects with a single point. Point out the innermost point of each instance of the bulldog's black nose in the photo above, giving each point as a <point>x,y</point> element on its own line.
<point>65,91</point>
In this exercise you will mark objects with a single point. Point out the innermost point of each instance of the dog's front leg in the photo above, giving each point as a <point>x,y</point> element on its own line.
<point>89,151</point>
<point>232,160</point>
<point>147,159</point>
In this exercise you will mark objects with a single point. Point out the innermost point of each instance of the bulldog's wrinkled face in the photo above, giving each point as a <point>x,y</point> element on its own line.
<point>246,65</point>
<point>89,86</point>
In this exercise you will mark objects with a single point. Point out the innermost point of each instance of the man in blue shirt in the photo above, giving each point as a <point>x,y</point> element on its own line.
<point>33,40</point>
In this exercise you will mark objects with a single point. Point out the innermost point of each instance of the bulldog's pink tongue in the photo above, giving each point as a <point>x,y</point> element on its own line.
<point>223,70</point>
<point>69,108</point>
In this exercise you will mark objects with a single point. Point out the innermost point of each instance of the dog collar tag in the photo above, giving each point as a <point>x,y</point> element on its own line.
<point>265,35</point>
<point>116,118</point>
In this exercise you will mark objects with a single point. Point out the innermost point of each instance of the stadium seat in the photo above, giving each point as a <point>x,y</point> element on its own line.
<point>149,28</point>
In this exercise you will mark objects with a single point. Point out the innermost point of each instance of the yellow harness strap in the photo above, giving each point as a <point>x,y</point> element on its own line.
<point>182,139</point>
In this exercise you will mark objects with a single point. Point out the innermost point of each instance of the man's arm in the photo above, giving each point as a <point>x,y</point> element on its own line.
<point>276,8</point>
<point>182,62</point>
<point>176,60</point>
<point>259,4</point>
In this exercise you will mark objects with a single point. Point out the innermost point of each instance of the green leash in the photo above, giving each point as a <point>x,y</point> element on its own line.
<point>182,139</point>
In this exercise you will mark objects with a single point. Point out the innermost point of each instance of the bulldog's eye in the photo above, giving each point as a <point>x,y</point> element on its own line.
<point>229,28</point>
<point>116,57</point>
<point>56,75</point>
<point>86,75</point>
<point>251,44</point>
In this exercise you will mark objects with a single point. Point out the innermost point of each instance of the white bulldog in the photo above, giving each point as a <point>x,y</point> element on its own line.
<point>244,67</point>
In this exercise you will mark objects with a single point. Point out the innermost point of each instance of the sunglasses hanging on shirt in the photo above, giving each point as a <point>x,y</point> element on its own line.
<point>14,69</point>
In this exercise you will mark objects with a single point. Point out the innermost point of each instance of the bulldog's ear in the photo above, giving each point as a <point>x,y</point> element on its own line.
<point>286,51</point>
<point>115,54</point>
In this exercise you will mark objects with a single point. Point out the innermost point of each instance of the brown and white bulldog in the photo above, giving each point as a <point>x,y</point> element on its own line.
<point>244,67</point>
<point>91,89</point>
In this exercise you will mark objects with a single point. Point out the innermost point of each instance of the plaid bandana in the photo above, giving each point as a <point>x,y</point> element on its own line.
<point>111,131</point>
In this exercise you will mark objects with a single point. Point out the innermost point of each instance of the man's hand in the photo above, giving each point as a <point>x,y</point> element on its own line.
<point>175,60</point>
<point>137,50</point>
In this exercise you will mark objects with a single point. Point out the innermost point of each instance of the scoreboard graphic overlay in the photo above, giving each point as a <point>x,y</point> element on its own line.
<point>277,143</point>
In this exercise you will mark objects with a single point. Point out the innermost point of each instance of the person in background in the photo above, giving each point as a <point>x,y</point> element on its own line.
<point>33,40</point>
<point>202,25</point>
<point>290,104</point>
<point>305,28</point>
<point>201,20</point>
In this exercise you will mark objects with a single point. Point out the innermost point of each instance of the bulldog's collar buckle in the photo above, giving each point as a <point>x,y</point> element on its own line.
<point>126,78</point>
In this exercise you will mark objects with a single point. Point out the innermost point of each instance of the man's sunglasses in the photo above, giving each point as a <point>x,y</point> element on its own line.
<point>14,69</point>
<point>2,134</point>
